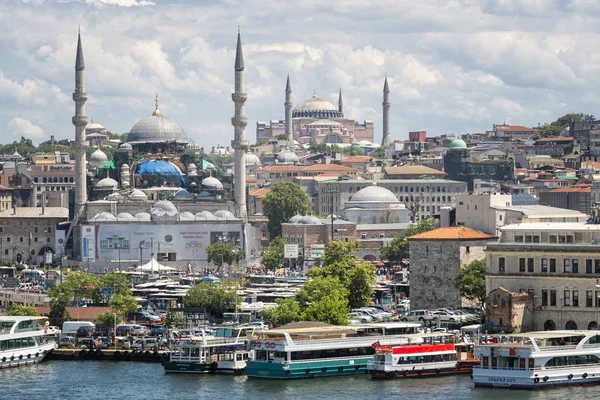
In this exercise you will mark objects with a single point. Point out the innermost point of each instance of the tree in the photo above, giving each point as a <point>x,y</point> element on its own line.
<point>213,299</point>
<point>281,136</point>
<point>109,319</point>
<point>273,257</point>
<point>285,200</point>
<point>83,286</point>
<point>356,276</point>
<point>320,287</point>
<point>556,128</point>
<point>220,253</point>
<point>398,247</point>
<point>332,310</point>
<point>112,284</point>
<point>60,298</point>
<point>20,310</point>
<point>123,303</point>
<point>470,280</point>
<point>286,312</point>
<point>378,152</point>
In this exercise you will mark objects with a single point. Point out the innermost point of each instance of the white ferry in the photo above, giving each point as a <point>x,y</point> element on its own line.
<point>311,350</point>
<point>23,341</point>
<point>430,354</point>
<point>537,360</point>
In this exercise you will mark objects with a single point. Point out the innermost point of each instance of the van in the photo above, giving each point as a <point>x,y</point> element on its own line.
<point>70,327</point>
<point>148,343</point>
<point>131,329</point>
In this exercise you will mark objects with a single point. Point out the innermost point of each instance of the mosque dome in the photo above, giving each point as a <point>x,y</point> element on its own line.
<point>137,194</point>
<point>124,147</point>
<point>98,158</point>
<point>124,167</point>
<point>458,144</point>
<point>325,123</point>
<point>107,183</point>
<point>162,168</point>
<point>309,220</point>
<point>125,216</point>
<point>295,219</point>
<point>143,216</point>
<point>157,129</point>
<point>94,127</point>
<point>316,107</point>
<point>104,216</point>
<point>164,207</point>
<point>252,160</point>
<point>224,214</point>
<point>182,195</point>
<point>204,215</point>
<point>374,194</point>
<point>287,157</point>
<point>186,216</point>
<point>212,183</point>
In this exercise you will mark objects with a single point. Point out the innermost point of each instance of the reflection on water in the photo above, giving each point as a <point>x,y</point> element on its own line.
<point>76,380</point>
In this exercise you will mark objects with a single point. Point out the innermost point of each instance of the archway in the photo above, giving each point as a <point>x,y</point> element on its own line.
<point>44,250</point>
<point>19,258</point>
<point>549,325</point>
<point>593,326</point>
<point>571,326</point>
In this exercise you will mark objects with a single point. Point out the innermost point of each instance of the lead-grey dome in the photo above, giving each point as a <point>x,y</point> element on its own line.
<point>309,220</point>
<point>374,193</point>
<point>226,214</point>
<point>287,157</point>
<point>316,107</point>
<point>97,158</point>
<point>252,159</point>
<point>157,129</point>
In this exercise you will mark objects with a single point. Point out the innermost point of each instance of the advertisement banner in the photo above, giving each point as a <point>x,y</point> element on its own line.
<point>290,251</point>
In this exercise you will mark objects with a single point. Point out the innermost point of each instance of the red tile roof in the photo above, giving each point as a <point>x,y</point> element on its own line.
<point>356,159</point>
<point>513,128</point>
<point>573,190</point>
<point>452,233</point>
<point>260,193</point>
<point>555,139</point>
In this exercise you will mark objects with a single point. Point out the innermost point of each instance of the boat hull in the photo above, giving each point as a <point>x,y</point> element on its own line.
<point>539,379</point>
<point>308,369</point>
<point>461,368</point>
<point>183,367</point>
<point>24,356</point>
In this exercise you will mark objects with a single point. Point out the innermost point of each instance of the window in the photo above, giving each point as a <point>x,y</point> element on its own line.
<point>21,239</point>
<point>530,265</point>
<point>575,298</point>
<point>575,266</point>
<point>567,298</point>
<point>553,297</point>
<point>597,298</point>
<point>544,297</point>
<point>553,265</point>
<point>589,298</point>
<point>597,266</point>
<point>588,266</point>
<point>363,235</point>
<point>501,264</point>
<point>544,265</point>
<point>521,265</point>
<point>567,266</point>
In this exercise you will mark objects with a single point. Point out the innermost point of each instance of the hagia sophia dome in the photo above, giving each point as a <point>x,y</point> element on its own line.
<point>316,107</point>
<point>157,129</point>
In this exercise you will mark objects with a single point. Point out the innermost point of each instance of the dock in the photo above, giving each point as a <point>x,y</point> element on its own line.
<point>109,355</point>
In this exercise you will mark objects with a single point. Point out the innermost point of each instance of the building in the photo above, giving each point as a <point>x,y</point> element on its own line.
<point>29,231</point>
<point>413,171</point>
<point>422,197</point>
<point>513,131</point>
<point>557,146</point>
<point>288,173</point>
<point>507,311</point>
<point>375,205</point>
<point>558,263</point>
<point>436,257</point>
<point>418,136</point>
<point>577,198</point>
<point>6,201</point>
<point>587,135</point>
<point>51,173</point>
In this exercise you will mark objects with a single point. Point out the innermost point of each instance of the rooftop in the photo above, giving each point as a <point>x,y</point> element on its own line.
<point>452,233</point>
<point>555,139</point>
<point>36,212</point>
<point>413,169</point>
<point>552,227</point>
<point>573,190</point>
<point>259,193</point>
<point>513,128</point>
<point>400,181</point>
<point>543,211</point>
<point>357,159</point>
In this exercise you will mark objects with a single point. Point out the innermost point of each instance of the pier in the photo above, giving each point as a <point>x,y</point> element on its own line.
<point>109,355</point>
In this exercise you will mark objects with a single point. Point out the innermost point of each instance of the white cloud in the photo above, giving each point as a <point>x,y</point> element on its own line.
<point>18,127</point>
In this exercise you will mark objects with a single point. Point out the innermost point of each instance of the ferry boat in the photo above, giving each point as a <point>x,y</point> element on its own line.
<point>303,351</point>
<point>23,341</point>
<point>207,354</point>
<point>536,360</point>
<point>431,354</point>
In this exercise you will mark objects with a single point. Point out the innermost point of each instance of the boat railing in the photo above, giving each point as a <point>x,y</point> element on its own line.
<point>538,368</point>
<point>554,348</point>
<point>21,330</point>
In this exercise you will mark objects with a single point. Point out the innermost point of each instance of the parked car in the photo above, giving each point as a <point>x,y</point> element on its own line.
<point>382,310</point>
<point>140,330</point>
<point>84,331</point>
<point>148,343</point>
<point>52,330</point>
<point>66,341</point>
<point>158,330</point>
<point>385,310</point>
<point>421,316</point>
<point>360,317</point>
<point>446,316</point>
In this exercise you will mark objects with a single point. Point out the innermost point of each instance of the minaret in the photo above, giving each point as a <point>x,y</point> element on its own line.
<point>80,121</point>
<point>387,136</point>
<point>289,130</point>
<point>341,103</point>
<point>239,122</point>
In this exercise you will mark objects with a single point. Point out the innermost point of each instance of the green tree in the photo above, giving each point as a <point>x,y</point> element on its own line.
<point>378,152</point>
<point>555,128</point>
<point>398,247</point>
<point>123,303</point>
<point>60,298</point>
<point>317,288</point>
<point>115,283</point>
<point>285,200</point>
<point>214,299</point>
<point>352,151</point>
<point>220,253</point>
<point>84,286</point>
<point>330,309</point>
<point>470,280</point>
<point>20,310</point>
<point>286,312</point>
<point>281,136</point>
<point>272,258</point>
<point>109,319</point>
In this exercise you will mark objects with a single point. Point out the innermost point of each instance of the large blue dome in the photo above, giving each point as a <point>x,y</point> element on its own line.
<point>160,167</point>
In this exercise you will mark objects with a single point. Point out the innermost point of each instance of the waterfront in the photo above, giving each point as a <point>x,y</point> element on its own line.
<point>72,380</point>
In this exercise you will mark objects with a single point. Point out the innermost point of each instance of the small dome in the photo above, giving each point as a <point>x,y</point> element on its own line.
<point>137,194</point>
<point>125,147</point>
<point>104,216</point>
<point>163,207</point>
<point>125,216</point>
<point>252,160</point>
<point>107,183</point>
<point>94,127</point>
<point>204,194</point>
<point>186,216</point>
<point>309,220</point>
<point>210,166</point>
<point>295,219</point>
<point>182,195</point>
<point>287,157</point>
<point>192,166</point>
<point>458,144</point>
<point>97,158</point>
<point>204,215</point>
<point>143,216</point>
<point>224,214</point>
<point>374,193</point>
<point>212,183</point>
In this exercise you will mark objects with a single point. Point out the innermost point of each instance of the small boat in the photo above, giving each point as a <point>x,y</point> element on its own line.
<point>23,341</point>
<point>430,354</point>
<point>537,360</point>
<point>206,354</point>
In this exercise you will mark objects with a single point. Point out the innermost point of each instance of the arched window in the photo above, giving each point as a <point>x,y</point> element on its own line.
<point>571,326</point>
<point>592,326</point>
<point>549,325</point>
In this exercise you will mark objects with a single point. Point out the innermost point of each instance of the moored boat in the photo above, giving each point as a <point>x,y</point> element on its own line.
<point>537,360</point>
<point>431,354</point>
<point>23,341</point>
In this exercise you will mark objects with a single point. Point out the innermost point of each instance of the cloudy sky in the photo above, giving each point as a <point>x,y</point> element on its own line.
<point>454,66</point>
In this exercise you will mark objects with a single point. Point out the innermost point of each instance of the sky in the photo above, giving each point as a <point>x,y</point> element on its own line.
<point>454,66</point>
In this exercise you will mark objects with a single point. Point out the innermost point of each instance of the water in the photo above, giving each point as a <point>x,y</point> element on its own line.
<point>90,380</point>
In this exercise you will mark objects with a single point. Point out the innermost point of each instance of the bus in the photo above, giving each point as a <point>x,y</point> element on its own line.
<point>32,275</point>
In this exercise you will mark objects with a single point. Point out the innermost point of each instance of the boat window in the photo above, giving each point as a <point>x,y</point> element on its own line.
<point>485,361</point>
<point>521,363</point>
<point>426,359</point>
<point>572,360</point>
<point>260,355</point>
<point>594,340</point>
<point>531,363</point>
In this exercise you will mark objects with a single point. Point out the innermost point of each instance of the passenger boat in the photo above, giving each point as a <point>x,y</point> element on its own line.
<point>304,351</point>
<point>431,354</point>
<point>209,354</point>
<point>23,341</point>
<point>536,360</point>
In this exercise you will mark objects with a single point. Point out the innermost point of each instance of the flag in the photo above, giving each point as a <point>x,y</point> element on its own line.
<point>376,344</point>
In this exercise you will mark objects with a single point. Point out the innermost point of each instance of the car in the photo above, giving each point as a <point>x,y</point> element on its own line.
<point>421,316</point>
<point>381,315</point>
<point>445,316</point>
<point>361,317</point>
<point>140,330</point>
<point>260,325</point>
<point>384,310</point>
<point>83,331</point>
<point>158,330</point>
<point>66,341</point>
<point>372,313</point>
<point>148,343</point>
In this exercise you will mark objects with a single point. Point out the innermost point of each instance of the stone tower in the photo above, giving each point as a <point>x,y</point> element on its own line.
<point>80,121</point>
<point>239,122</point>
<point>341,103</point>
<point>387,135</point>
<point>289,130</point>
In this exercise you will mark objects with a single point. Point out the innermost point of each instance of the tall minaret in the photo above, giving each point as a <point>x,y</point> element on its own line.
<point>341,103</point>
<point>239,122</point>
<point>80,121</point>
<point>387,135</point>
<point>289,129</point>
